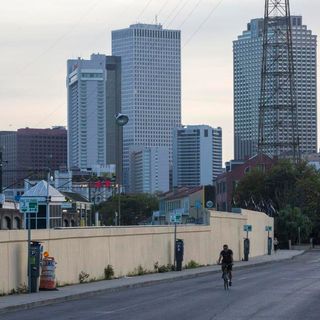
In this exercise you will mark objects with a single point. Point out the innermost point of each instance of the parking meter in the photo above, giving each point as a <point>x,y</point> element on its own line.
<point>269,245</point>
<point>35,256</point>
<point>179,254</point>
<point>246,248</point>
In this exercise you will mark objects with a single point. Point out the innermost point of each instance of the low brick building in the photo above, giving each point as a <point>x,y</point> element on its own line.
<point>227,181</point>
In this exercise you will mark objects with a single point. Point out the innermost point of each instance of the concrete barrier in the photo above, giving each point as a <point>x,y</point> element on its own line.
<point>125,248</point>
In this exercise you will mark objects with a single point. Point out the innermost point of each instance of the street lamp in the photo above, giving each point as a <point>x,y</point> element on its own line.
<point>121,120</point>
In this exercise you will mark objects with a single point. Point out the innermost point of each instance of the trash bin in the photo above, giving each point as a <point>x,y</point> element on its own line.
<point>48,274</point>
<point>179,254</point>
<point>35,256</point>
<point>246,248</point>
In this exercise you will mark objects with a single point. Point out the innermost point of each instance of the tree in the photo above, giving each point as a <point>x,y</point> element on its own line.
<point>285,185</point>
<point>251,188</point>
<point>291,223</point>
<point>135,209</point>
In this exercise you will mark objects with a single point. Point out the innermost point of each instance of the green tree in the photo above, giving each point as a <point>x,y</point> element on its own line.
<point>135,208</point>
<point>285,185</point>
<point>289,222</point>
<point>252,186</point>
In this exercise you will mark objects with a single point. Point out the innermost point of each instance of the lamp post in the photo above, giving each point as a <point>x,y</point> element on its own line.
<point>121,120</point>
<point>1,164</point>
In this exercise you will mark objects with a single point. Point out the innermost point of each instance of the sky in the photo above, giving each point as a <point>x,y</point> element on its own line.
<point>38,36</point>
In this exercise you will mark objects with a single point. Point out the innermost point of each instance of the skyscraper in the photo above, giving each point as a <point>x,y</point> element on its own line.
<point>197,155</point>
<point>247,55</point>
<point>150,169</point>
<point>94,98</point>
<point>151,85</point>
<point>31,152</point>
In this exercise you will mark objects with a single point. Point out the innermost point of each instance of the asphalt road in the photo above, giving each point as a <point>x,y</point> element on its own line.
<point>287,290</point>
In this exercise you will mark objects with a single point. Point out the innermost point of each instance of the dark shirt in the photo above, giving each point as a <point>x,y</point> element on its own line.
<point>226,256</point>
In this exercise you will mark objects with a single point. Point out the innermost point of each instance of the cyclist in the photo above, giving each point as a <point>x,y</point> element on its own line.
<point>226,260</point>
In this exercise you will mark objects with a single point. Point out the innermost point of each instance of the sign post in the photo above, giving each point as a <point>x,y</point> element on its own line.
<point>269,228</point>
<point>175,218</point>
<point>246,243</point>
<point>28,206</point>
<point>247,228</point>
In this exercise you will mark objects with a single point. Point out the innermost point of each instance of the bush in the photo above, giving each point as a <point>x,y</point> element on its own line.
<point>108,272</point>
<point>139,271</point>
<point>192,264</point>
<point>83,276</point>
<point>164,268</point>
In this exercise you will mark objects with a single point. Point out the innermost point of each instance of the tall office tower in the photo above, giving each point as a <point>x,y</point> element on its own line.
<point>151,85</point>
<point>197,155</point>
<point>94,98</point>
<point>247,60</point>
<point>149,168</point>
<point>31,152</point>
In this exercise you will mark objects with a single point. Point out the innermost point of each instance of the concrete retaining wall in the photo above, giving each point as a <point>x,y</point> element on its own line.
<point>125,248</point>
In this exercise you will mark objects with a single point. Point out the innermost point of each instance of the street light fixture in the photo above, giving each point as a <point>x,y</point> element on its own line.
<point>121,120</point>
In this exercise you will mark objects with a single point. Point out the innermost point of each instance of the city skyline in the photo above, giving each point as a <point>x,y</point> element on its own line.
<point>49,34</point>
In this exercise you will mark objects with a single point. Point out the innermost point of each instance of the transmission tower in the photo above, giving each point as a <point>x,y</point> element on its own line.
<point>278,126</point>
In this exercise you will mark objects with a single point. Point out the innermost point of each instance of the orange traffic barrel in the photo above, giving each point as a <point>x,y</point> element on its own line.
<point>48,274</point>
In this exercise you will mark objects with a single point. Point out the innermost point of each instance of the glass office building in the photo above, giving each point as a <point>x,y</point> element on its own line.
<point>247,62</point>
<point>151,86</point>
<point>197,155</point>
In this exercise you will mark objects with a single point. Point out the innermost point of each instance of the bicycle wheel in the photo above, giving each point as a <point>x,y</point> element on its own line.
<point>226,281</point>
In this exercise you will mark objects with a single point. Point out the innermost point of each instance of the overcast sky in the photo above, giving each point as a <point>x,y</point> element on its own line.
<point>38,36</point>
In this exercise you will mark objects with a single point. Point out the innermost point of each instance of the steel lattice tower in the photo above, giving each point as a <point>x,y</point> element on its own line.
<point>278,128</point>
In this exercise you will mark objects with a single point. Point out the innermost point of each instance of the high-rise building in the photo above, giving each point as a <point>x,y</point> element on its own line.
<point>94,98</point>
<point>33,152</point>
<point>151,85</point>
<point>247,61</point>
<point>149,169</point>
<point>197,155</point>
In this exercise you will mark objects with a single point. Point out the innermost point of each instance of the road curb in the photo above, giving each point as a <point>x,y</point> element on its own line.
<point>177,277</point>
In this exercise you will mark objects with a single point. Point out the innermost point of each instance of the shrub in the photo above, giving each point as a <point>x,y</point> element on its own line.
<point>83,276</point>
<point>192,264</point>
<point>108,272</point>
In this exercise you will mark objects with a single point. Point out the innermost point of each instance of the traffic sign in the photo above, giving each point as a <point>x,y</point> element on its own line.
<point>29,205</point>
<point>197,204</point>
<point>175,218</point>
<point>268,228</point>
<point>247,227</point>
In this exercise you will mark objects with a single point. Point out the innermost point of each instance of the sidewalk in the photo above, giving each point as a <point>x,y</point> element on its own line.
<point>27,301</point>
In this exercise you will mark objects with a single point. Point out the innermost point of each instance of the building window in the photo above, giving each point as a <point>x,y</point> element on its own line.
<point>247,170</point>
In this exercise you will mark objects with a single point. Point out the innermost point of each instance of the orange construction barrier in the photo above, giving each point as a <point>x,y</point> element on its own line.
<point>48,275</point>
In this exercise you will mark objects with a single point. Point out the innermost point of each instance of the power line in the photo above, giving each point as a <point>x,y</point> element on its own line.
<point>183,6</point>
<point>162,7</point>
<point>203,22</point>
<point>190,13</point>
<point>61,37</point>
<point>144,9</point>
<point>172,12</point>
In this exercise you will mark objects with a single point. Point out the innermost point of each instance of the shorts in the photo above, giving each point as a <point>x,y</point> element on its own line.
<point>226,265</point>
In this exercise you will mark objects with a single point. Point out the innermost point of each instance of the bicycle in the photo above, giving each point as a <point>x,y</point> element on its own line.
<point>225,277</point>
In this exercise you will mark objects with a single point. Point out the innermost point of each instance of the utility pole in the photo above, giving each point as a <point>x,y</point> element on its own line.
<point>48,203</point>
<point>278,125</point>
<point>1,168</point>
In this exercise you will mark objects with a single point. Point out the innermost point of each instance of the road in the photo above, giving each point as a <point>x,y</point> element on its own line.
<point>287,290</point>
